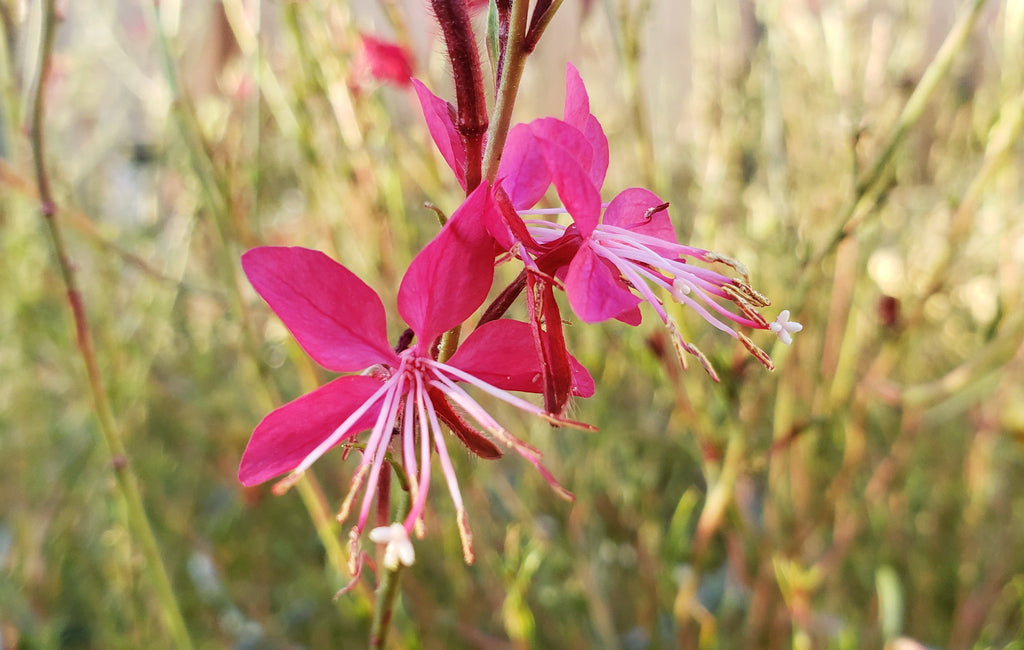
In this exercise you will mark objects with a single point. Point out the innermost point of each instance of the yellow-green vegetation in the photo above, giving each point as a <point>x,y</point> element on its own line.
<point>864,160</point>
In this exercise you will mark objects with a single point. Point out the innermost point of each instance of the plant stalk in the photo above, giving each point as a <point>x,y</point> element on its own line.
<point>127,481</point>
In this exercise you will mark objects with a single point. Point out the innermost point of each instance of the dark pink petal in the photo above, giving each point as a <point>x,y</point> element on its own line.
<point>551,131</point>
<point>577,114</point>
<point>549,339</point>
<point>336,318</point>
<point>594,134</point>
<point>523,171</point>
<point>290,433</point>
<point>631,317</point>
<point>569,157</point>
<point>582,382</point>
<point>441,125</point>
<point>502,353</point>
<point>595,290</point>
<point>577,102</point>
<point>451,276</point>
<point>387,61</point>
<point>630,210</point>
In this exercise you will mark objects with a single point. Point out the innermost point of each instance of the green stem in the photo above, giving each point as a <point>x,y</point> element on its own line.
<point>127,481</point>
<point>382,613</point>
<point>387,593</point>
<point>512,74</point>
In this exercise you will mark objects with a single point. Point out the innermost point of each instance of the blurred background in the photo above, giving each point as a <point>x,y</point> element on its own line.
<point>868,492</point>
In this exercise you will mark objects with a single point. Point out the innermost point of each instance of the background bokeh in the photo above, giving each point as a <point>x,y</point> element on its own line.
<point>867,492</point>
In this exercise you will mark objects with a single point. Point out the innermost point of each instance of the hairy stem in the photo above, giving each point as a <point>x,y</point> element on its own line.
<point>471,105</point>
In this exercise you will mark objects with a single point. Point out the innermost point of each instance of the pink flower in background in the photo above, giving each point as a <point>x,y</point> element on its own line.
<point>405,395</point>
<point>386,61</point>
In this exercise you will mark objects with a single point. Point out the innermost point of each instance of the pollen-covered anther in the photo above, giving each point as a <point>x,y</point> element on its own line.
<point>286,483</point>
<point>683,348</point>
<point>757,352</point>
<point>357,482</point>
<point>752,314</point>
<point>650,212</point>
<point>743,290</point>
<point>378,371</point>
<point>466,536</point>
<point>704,361</point>
<point>736,265</point>
<point>355,553</point>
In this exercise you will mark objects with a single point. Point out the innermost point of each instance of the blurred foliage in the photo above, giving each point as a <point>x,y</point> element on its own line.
<point>867,492</point>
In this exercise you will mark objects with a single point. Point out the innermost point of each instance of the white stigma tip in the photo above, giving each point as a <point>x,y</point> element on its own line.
<point>785,328</point>
<point>399,549</point>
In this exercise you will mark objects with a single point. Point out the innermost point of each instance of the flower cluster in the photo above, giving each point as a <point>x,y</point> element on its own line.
<point>608,258</point>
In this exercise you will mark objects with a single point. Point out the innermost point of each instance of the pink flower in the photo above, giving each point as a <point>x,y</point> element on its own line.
<point>386,61</point>
<point>615,255</point>
<point>618,254</point>
<point>405,395</point>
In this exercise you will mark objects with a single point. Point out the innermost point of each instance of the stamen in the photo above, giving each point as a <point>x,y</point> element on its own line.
<point>758,353</point>
<point>753,315</point>
<point>650,212</point>
<point>354,486</point>
<point>484,419</point>
<point>446,462</point>
<point>355,553</point>
<point>630,272</point>
<point>682,348</point>
<point>341,431</point>
<point>416,512</point>
<point>730,262</point>
<point>287,482</point>
<point>376,447</point>
<point>466,536</point>
<point>504,396</point>
<point>747,292</point>
<point>409,445</point>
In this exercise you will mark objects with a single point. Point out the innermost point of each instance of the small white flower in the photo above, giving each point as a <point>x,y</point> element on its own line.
<point>399,549</point>
<point>784,328</point>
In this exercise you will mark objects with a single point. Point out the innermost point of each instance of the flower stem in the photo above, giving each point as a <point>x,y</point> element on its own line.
<point>387,593</point>
<point>513,62</point>
<point>518,47</point>
<point>471,105</point>
<point>127,481</point>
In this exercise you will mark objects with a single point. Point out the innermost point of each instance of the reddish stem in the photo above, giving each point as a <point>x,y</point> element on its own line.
<point>471,111</point>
